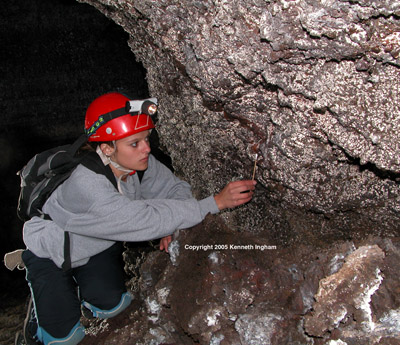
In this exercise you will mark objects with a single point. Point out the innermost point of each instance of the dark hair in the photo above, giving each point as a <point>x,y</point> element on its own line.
<point>91,146</point>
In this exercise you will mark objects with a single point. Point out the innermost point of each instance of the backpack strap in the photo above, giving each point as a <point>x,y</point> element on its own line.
<point>77,144</point>
<point>93,162</point>
<point>67,265</point>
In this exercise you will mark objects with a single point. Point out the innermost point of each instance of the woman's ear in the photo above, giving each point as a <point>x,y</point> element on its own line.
<point>106,149</point>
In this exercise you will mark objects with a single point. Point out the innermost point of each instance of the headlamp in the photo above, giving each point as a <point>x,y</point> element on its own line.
<point>145,106</point>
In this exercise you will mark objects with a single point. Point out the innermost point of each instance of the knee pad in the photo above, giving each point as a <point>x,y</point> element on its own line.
<point>73,338</point>
<point>125,301</point>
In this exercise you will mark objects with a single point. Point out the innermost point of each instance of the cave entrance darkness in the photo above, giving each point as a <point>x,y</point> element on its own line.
<point>57,56</point>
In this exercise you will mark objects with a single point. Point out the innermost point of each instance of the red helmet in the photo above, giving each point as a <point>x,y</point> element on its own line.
<point>114,116</point>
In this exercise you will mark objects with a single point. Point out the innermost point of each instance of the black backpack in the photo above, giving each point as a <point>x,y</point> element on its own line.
<point>45,172</point>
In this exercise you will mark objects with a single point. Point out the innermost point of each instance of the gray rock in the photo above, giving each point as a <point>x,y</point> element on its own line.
<point>311,87</point>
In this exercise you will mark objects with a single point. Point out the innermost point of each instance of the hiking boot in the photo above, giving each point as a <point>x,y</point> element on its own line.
<point>87,313</point>
<point>30,327</point>
<point>19,339</point>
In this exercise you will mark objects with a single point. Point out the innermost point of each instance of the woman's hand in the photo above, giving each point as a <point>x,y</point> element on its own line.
<point>235,193</point>
<point>164,242</point>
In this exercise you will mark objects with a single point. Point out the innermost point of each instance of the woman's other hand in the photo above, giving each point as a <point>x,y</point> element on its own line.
<point>164,242</point>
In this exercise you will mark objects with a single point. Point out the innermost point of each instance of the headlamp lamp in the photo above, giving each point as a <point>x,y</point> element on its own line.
<point>146,106</point>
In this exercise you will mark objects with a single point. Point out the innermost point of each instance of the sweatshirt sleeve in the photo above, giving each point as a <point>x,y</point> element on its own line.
<point>160,183</point>
<point>46,240</point>
<point>87,204</point>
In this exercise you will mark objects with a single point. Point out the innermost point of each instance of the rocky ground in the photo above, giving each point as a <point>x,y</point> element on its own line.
<point>12,304</point>
<point>216,288</point>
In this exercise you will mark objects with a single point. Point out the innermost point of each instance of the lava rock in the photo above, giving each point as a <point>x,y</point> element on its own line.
<point>309,86</point>
<point>227,289</point>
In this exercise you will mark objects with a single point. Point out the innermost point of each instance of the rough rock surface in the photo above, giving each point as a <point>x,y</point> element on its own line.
<point>221,289</point>
<point>310,86</point>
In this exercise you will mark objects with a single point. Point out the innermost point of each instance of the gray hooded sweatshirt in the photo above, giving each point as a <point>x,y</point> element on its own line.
<point>96,215</point>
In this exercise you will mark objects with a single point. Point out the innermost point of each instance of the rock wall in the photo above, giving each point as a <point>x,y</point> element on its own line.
<point>308,88</point>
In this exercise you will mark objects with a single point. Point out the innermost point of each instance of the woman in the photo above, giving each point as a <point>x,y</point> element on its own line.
<point>150,203</point>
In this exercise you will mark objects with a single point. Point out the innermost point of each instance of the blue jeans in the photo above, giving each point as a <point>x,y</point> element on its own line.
<point>58,295</point>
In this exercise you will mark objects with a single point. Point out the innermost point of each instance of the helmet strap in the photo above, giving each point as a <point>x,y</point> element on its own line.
<point>107,160</point>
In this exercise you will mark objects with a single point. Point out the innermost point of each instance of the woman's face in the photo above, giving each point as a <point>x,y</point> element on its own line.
<point>131,152</point>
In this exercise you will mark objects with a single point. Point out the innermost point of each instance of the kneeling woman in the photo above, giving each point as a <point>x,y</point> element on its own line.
<point>150,203</point>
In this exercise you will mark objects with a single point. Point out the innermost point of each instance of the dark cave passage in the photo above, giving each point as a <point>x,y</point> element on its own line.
<point>57,56</point>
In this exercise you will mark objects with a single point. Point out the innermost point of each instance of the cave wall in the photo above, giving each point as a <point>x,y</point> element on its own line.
<point>311,87</point>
